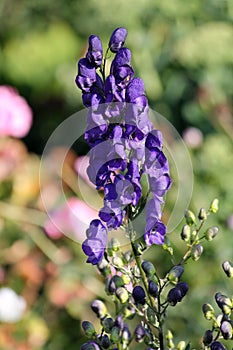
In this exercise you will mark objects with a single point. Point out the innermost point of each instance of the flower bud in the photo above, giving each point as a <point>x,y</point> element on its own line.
<point>99,308</point>
<point>208,311</point>
<point>197,251</point>
<point>190,217</point>
<point>104,267</point>
<point>208,337</point>
<point>114,244</point>
<point>186,233</point>
<point>151,316</point>
<point>148,268</point>
<point>126,279</point>
<point>139,333</point>
<point>202,214</point>
<point>211,232</point>
<point>122,295</point>
<point>115,282</point>
<point>169,337</point>
<point>181,345</point>
<point>107,324</point>
<point>105,341</point>
<point>128,256</point>
<point>117,39</point>
<point>88,329</point>
<point>224,303</point>
<point>152,288</point>
<point>175,273</point>
<point>91,345</point>
<point>174,295</point>
<point>214,206</point>
<point>115,334</point>
<point>117,262</point>
<point>139,295</point>
<point>226,329</point>
<point>126,335</point>
<point>216,345</point>
<point>228,268</point>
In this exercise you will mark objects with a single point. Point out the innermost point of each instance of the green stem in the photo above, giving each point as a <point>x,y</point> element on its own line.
<point>145,283</point>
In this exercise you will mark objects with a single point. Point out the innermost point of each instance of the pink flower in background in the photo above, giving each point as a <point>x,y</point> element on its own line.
<point>72,219</point>
<point>15,113</point>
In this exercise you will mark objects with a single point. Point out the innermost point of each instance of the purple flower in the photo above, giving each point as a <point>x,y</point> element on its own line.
<point>155,234</point>
<point>91,345</point>
<point>95,51</point>
<point>96,241</point>
<point>112,214</point>
<point>216,345</point>
<point>95,96</point>
<point>121,68</point>
<point>117,39</point>
<point>86,75</point>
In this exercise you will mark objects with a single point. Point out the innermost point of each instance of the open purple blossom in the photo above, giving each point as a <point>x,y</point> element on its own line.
<point>123,144</point>
<point>96,241</point>
<point>117,39</point>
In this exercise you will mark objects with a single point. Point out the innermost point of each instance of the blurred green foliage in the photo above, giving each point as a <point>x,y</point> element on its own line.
<point>184,53</point>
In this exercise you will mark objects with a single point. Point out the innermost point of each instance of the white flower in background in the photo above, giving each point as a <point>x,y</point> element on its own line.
<point>12,306</point>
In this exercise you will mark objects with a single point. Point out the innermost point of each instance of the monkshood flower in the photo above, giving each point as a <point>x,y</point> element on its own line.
<point>124,146</point>
<point>95,243</point>
<point>117,39</point>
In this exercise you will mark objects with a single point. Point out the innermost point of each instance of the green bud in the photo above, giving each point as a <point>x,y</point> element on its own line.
<point>148,268</point>
<point>88,328</point>
<point>181,345</point>
<point>128,256</point>
<point>115,282</point>
<point>175,273</point>
<point>104,267</point>
<point>208,311</point>
<point>169,338</point>
<point>115,334</point>
<point>202,214</point>
<point>228,268</point>
<point>117,262</point>
<point>122,294</point>
<point>108,324</point>
<point>99,308</point>
<point>211,232</point>
<point>197,251</point>
<point>224,303</point>
<point>186,233</point>
<point>214,206</point>
<point>190,217</point>
<point>151,316</point>
<point>126,279</point>
<point>114,244</point>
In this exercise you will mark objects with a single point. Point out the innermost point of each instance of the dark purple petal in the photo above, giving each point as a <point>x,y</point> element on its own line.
<point>97,231</point>
<point>134,90</point>
<point>95,51</point>
<point>113,216</point>
<point>154,140</point>
<point>117,39</point>
<point>86,75</point>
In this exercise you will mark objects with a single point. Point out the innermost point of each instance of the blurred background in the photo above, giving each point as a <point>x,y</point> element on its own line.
<point>184,53</point>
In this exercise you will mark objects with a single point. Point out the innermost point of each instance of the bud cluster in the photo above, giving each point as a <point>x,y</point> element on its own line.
<point>222,323</point>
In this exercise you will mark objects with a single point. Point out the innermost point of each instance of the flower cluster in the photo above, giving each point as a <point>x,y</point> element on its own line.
<point>124,146</point>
